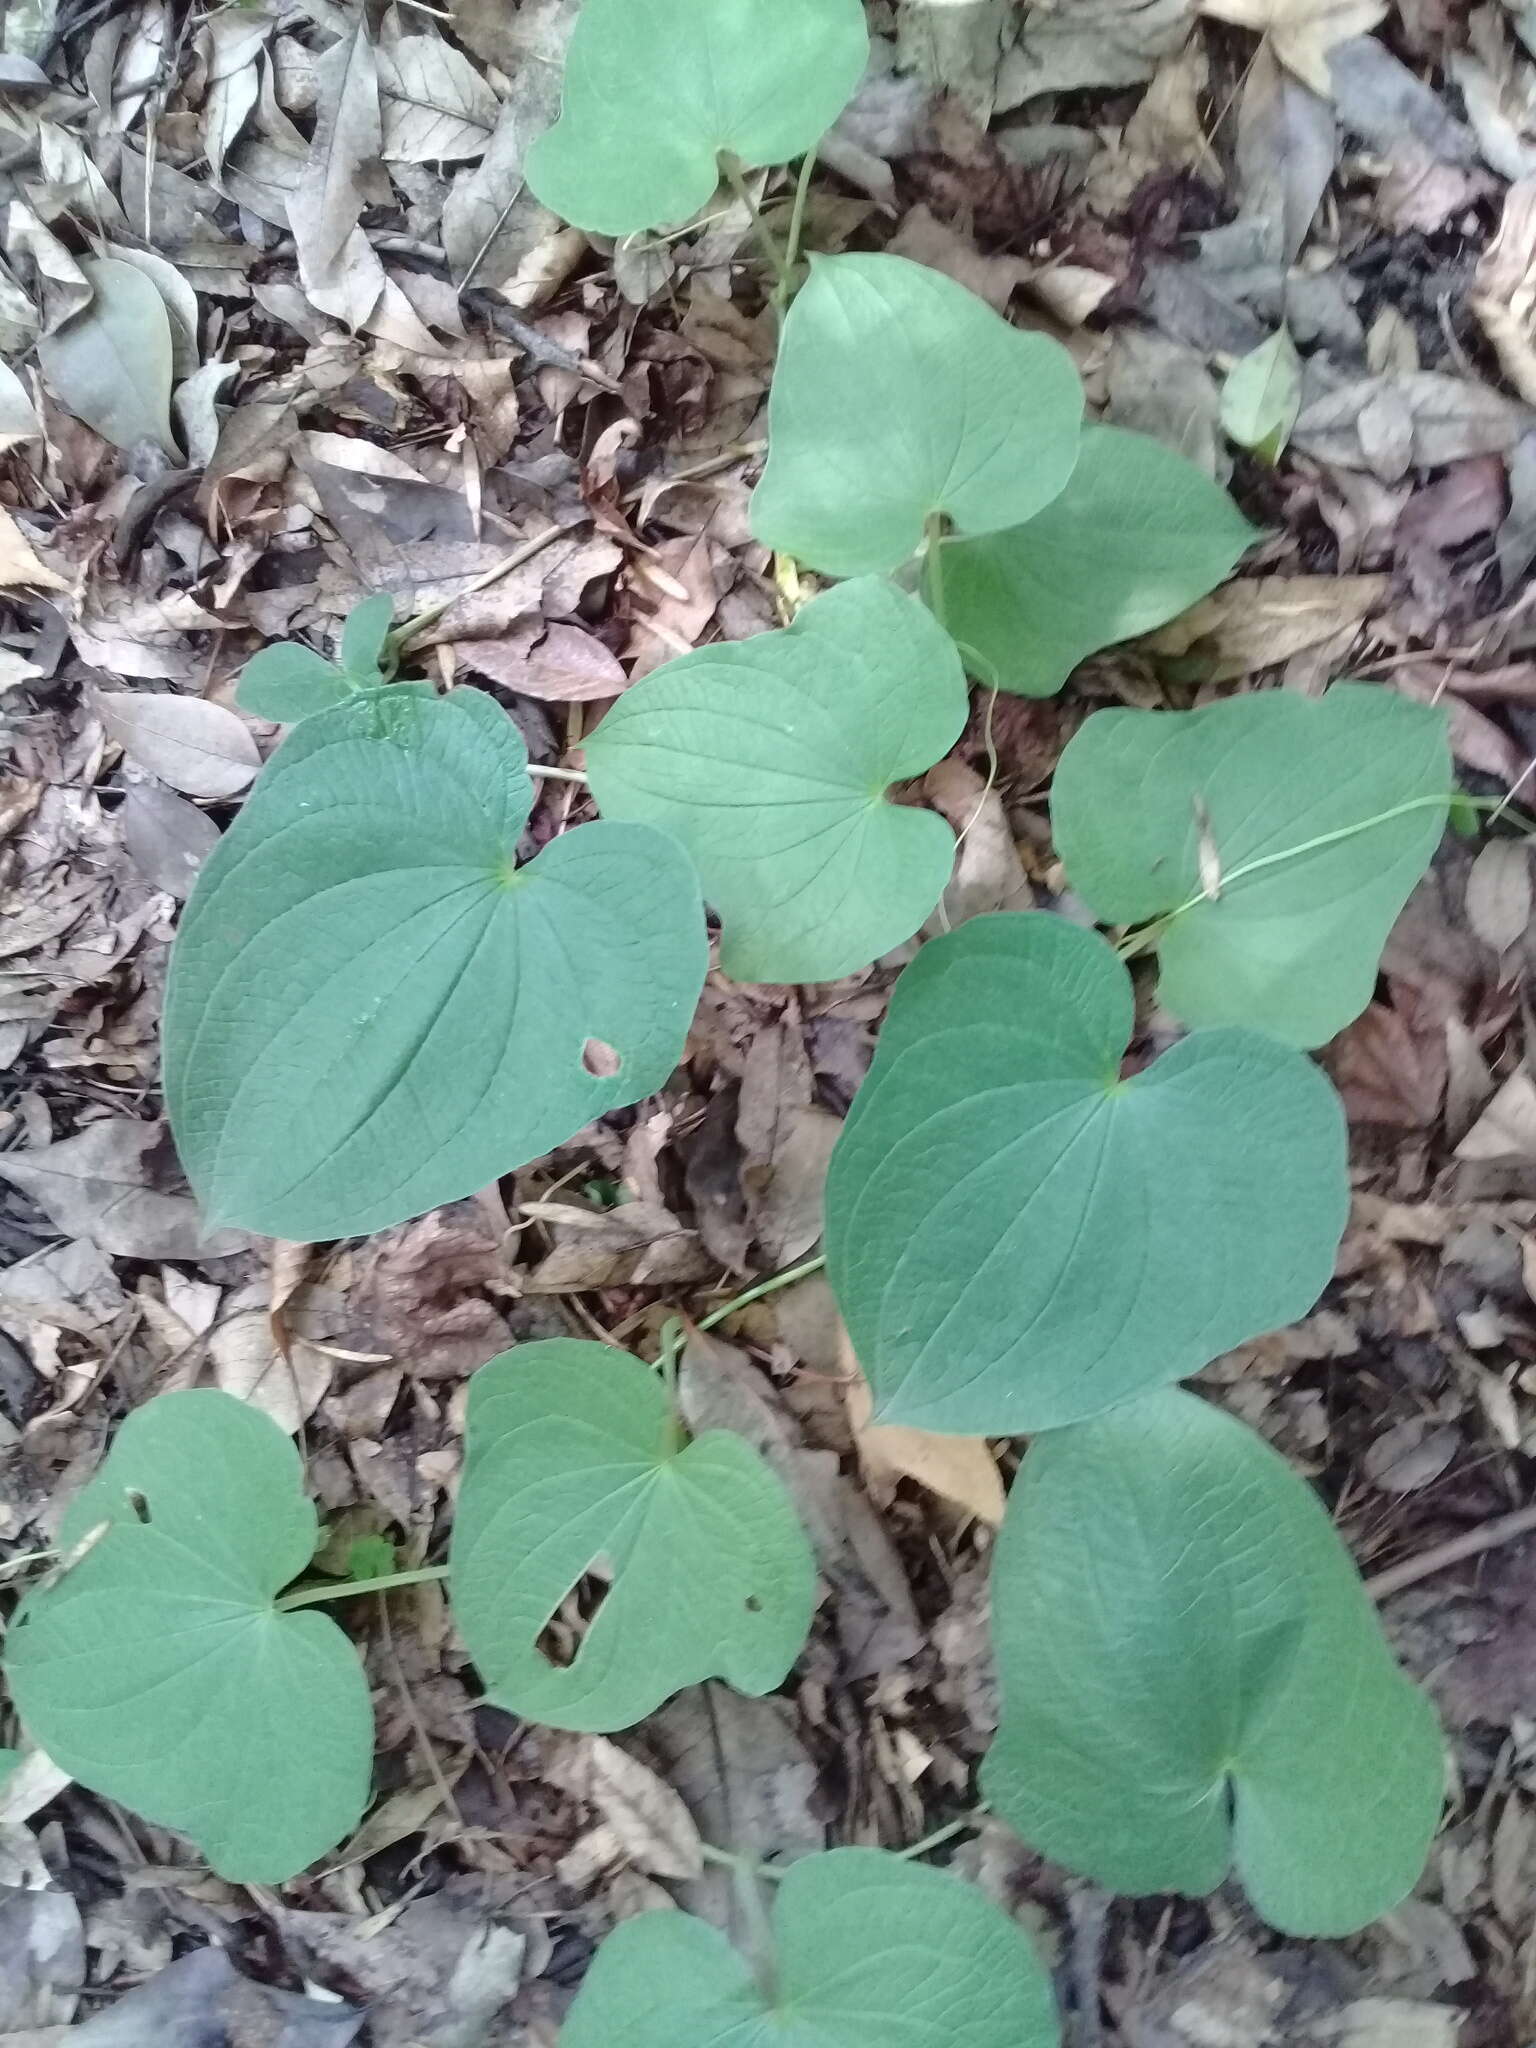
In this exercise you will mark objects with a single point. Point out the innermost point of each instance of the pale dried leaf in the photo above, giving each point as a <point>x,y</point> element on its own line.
<point>199,748</point>
<point>1506,1130</point>
<point>111,365</point>
<point>1499,894</point>
<point>955,46</point>
<point>98,1186</point>
<point>1093,43</point>
<point>26,1790</point>
<point>18,415</point>
<point>1302,32</point>
<point>492,223</point>
<point>142,636</point>
<point>649,1820</point>
<point>337,265</point>
<point>1439,419</point>
<point>248,1364</point>
<point>1260,622</point>
<point>234,40</point>
<point>1395,2023</point>
<point>1503,294</point>
<point>635,1245</point>
<point>166,838</point>
<point>19,566</point>
<point>960,1469</point>
<point>436,106</point>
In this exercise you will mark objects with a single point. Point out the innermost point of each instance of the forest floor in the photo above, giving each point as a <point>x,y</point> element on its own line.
<point>391,378</point>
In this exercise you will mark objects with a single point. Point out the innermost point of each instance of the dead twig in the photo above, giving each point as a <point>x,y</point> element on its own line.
<point>1454,1550</point>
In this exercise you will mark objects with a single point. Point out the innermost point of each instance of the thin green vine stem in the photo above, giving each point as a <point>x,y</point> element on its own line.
<point>728,1859</point>
<point>786,285</point>
<point>764,1288</point>
<point>933,557</point>
<point>349,1589</point>
<point>940,1836</point>
<point>784,282</point>
<point>1148,935</point>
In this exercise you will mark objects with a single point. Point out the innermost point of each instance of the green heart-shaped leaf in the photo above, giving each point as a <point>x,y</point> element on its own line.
<point>771,761</point>
<point>1137,535</point>
<point>372,1010</point>
<point>1252,820</point>
<point>159,1671</point>
<point>899,396</point>
<point>656,90</point>
<point>1193,1676</point>
<point>573,1460</point>
<point>1019,1239</point>
<point>287,682</point>
<point>867,1948</point>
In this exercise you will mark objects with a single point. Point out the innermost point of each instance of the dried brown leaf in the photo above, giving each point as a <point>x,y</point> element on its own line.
<point>560,664</point>
<point>635,1245</point>
<point>960,1469</point>
<point>652,1825</point>
<point>100,1185</point>
<point>1261,622</point>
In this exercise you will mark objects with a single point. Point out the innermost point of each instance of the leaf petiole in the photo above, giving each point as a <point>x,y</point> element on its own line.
<point>933,557</point>
<point>786,285</point>
<point>763,1288</point>
<point>784,276</point>
<point>347,1589</point>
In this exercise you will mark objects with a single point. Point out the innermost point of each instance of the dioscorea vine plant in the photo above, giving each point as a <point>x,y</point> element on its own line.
<point>376,1006</point>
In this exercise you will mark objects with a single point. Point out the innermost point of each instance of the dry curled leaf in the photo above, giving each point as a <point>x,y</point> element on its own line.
<point>1301,32</point>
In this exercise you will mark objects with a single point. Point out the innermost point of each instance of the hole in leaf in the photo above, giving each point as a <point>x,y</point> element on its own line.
<point>138,1503</point>
<point>754,1605</point>
<point>600,1058</point>
<point>564,1633</point>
